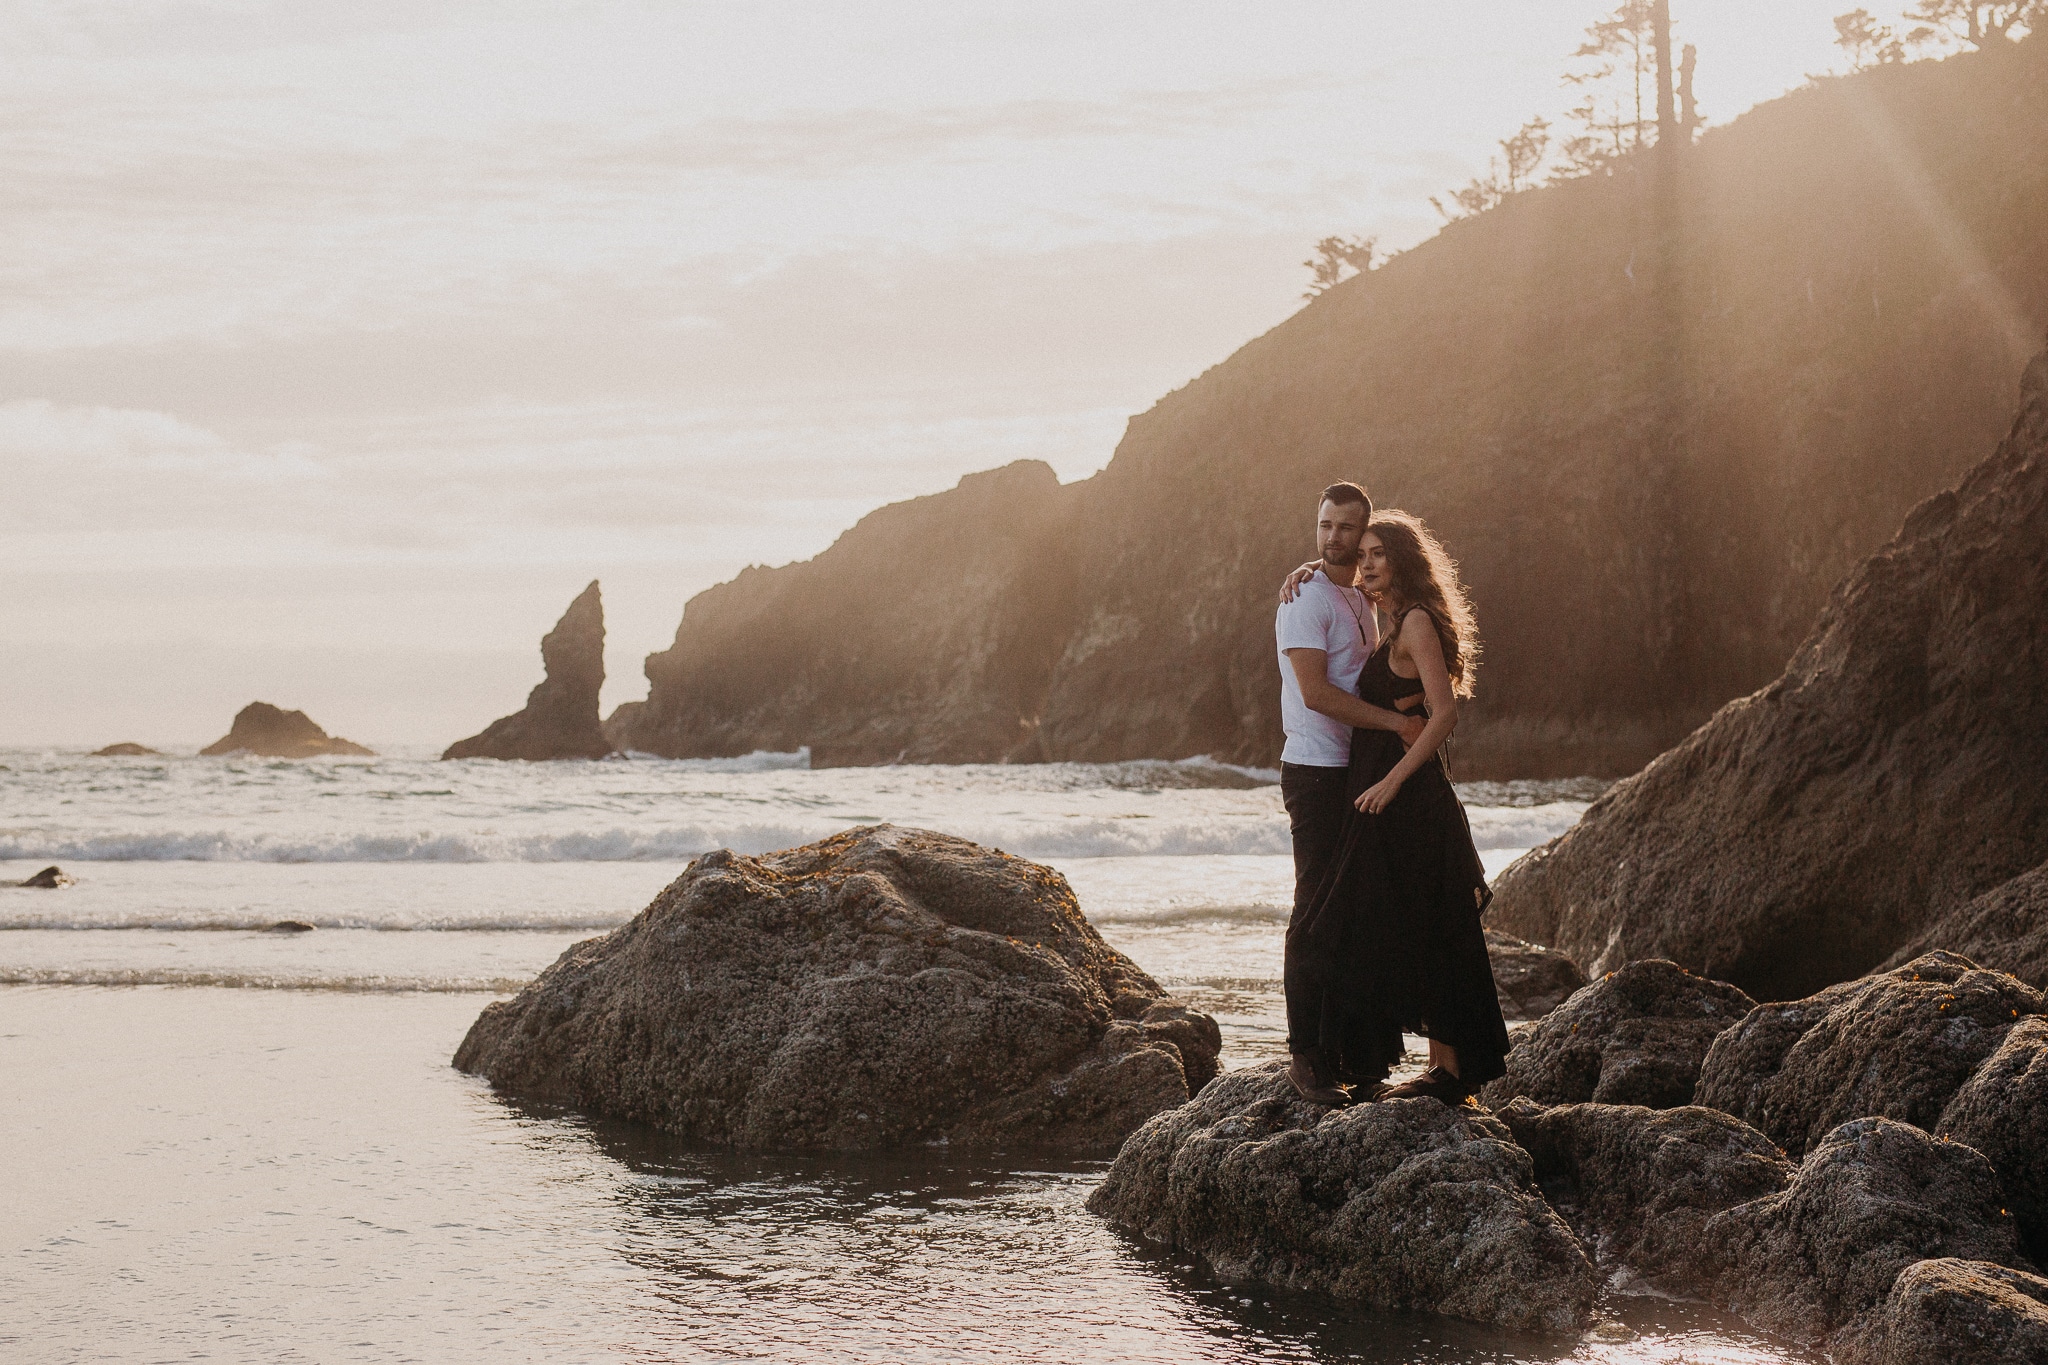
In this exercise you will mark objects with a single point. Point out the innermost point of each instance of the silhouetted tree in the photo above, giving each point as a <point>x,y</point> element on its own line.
<point>1868,42</point>
<point>1339,258</point>
<point>1979,25</point>
<point>1513,171</point>
<point>1689,119</point>
<point>1619,55</point>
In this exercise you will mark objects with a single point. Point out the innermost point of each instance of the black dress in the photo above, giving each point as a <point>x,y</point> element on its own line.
<point>1392,941</point>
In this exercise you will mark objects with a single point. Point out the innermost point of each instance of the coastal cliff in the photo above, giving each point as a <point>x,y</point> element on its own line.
<point>560,719</point>
<point>1865,799</point>
<point>1860,277</point>
<point>927,634</point>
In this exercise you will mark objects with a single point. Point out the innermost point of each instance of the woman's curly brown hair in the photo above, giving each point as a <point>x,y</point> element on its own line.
<point>1423,574</point>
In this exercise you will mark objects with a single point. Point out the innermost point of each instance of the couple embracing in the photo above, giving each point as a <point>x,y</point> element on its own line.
<point>1377,644</point>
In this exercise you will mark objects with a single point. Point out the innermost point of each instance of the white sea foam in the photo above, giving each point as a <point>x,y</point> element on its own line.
<point>266,981</point>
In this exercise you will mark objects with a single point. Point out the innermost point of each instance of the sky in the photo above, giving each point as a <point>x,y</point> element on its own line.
<point>341,344</point>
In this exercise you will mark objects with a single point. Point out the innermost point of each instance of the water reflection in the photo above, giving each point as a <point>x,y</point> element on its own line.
<point>931,1255</point>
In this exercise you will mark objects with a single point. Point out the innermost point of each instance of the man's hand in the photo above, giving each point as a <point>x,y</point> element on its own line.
<point>1411,730</point>
<point>1290,586</point>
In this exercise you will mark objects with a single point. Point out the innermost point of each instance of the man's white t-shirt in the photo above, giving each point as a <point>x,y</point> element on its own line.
<point>1339,622</point>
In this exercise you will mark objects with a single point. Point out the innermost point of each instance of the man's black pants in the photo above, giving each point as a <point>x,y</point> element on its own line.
<point>1316,807</point>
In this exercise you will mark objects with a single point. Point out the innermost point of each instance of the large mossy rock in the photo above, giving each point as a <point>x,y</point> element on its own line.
<point>1636,1036</point>
<point>1638,1184</point>
<point>1898,1044</point>
<point>1887,779</point>
<point>882,987</point>
<point>560,718</point>
<point>1404,1204</point>
<point>1953,1312</point>
<point>1873,1197</point>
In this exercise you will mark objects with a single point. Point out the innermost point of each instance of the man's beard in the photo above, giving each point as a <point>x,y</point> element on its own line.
<point>1330,558</point>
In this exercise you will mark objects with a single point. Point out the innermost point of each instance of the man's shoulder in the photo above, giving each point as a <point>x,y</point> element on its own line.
<point>1308,616</point>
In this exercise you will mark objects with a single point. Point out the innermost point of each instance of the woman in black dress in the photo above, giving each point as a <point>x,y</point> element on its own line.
<point>1394,936</point>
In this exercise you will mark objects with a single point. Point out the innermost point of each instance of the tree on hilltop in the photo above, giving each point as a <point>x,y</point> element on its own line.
<point>1338,258</point>
<point>1867,41</point>
<point>1513,171</point>
<point>1979,25</point>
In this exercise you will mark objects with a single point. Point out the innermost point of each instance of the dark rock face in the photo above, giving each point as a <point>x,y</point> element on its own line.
<point>126,749</point>
<point>879,988</point>
<point>2002,1111</point>
<point>925,634</point>
<point>1492,380</point>
<point>560,719</point>
<point>1638,1185</point>
<point>1952,1312</point>
<point>1872,1197</point>
<point>1405,1204</point>
<point>1531,980</point>
<point>1892,775</point>
<point>1899,1044</point>
<point>1636,1036</point>
<point>2005,929</point>
<point>267,732</point>
<point>50,879</point>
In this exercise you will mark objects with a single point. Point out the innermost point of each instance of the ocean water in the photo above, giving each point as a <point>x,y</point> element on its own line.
<point>230,1142</point>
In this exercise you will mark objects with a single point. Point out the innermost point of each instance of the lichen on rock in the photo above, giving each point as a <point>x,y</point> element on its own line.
<point>879,988</point>
<point>1638,1184</point>
<point>2002,1111</point>
<point>1872,1197</point>
<point>1946,1311</point>
<point>1897,1044</point>
<point>1399,1205</point>
<point>1636,1036</point>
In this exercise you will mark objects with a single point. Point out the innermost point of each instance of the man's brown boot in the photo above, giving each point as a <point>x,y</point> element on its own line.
<point>1311,1082</point>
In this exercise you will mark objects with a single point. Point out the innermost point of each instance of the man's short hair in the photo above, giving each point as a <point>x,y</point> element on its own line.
<point>1345,493</point>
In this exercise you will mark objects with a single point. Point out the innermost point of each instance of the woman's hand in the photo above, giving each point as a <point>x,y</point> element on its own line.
<point>1290,586</point>
<point>1379,795</point>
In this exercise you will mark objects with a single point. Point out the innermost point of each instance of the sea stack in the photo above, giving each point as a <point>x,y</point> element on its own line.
<point>126,749</point>
<point>1865,799</point>
<point>265,731</point>
<point>560,719</point>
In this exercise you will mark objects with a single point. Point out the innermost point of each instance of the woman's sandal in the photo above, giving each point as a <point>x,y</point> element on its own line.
<point>1437,1084</point>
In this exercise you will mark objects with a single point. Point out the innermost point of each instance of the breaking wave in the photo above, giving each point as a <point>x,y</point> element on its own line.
<point>1082,837</point>
<point>261,981</point>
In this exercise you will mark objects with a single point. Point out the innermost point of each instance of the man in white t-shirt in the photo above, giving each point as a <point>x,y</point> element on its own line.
<point>1325,634</point>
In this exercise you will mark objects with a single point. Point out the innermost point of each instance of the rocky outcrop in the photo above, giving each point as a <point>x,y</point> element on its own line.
<point>1898,1044</point>
<point>1530,979</point>
<point>925,634</point>
<point>264,731</point>
<point>1638,1185</point>
<point>1636,1036</point>
<point>1873,1197</point>
<point>50,878</point>
<point>1953,1312</point>
<point>560,719</point>
<point>126,749</point>
<point>1404,1204</point>
<point>2002,1111</point>
<point>879,988</point>
<point>1888,778</point>
<point>2005,929</point>
<point>1496,381</point>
